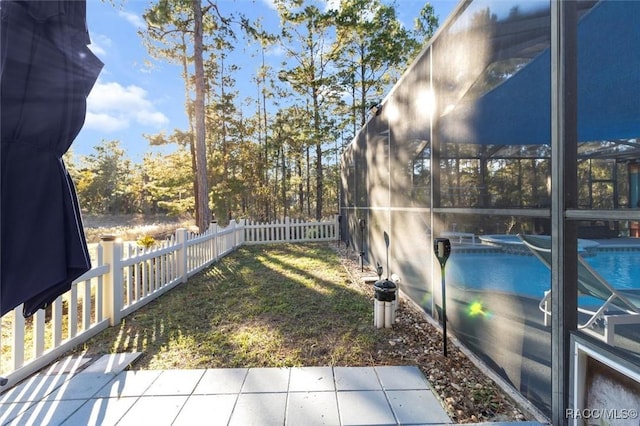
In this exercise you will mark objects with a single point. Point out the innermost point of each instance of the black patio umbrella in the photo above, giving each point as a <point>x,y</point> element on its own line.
<point>46,73</point>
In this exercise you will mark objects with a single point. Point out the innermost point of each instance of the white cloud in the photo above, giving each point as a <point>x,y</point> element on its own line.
<point>132,18</point>
<point>151,118</point>
<point>270,4</point>
<point>275,50</point>
<point>112,107</point>
<point>99,44</point>
<point>105,122</point>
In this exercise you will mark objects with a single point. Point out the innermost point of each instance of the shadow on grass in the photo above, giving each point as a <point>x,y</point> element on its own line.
<point>274,305</point>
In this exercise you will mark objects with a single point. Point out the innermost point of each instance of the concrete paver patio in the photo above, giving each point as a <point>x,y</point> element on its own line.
<point>105,393</point>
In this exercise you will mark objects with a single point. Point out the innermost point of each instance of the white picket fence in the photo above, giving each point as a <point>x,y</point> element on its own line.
<point>126,277</point>
<point>290,231</point>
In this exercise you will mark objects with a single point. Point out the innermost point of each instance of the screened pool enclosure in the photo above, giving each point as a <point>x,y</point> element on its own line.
<point>519,117</point>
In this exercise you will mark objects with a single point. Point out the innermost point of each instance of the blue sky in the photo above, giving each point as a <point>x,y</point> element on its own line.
<point>137,95</point>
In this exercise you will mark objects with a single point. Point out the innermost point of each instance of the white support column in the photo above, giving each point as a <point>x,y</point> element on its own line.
<point>73,311</point>
<point>38,323</point>
<point>56,322</point>
<point>17,355</point>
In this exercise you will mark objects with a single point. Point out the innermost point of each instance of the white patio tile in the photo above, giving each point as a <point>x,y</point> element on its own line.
<point>364,408</point>
<point>63,379</point>
<point>48,412</point>
<point>402,377</point>
<point>112,363</point>
<point>259,409</point>
<point>308,379</point>
<point>9,411</point>
<point>175,382</point>
<point>414,406</point>
<point>154,410</point>
<point>81,386</point>
<point>266,380</point>
<point>34,388</point>
<point>70,364</point>
<point>129,383</point>
<point>221,380</point>
<point>356,378</point>
<point>312,408</point>
<point>206,410</point>
<point>237,396</point>
<point>101,412</point>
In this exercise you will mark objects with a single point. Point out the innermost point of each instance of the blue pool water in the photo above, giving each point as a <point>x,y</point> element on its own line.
<point>526,275</point>
<point>620,268</point>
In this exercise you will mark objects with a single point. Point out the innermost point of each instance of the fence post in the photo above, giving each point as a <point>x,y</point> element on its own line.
<point>181,241</point>
<point>112,284</point>
<point>234,234</point>
<point>213,228</point>
<point>336,227</point>
<point>214,240</point>
<point>287,228</point>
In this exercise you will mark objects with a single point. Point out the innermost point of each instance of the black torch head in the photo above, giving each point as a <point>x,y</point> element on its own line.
<point>442,250</point>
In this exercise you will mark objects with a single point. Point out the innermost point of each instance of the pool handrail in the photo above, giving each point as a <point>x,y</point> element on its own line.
<point>590,283</point>
<point>460,236</point>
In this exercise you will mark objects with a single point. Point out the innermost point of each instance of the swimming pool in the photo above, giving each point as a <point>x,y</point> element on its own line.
<point>526,275</point>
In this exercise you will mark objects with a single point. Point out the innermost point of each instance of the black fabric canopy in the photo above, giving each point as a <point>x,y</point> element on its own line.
<point>47,72</point>
<point>517,112</point>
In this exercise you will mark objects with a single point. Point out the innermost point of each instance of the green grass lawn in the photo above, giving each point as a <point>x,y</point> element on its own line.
<point>266,305</point>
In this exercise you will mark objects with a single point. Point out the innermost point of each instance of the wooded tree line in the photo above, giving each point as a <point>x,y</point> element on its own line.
<point>274,154</point>
<point>525,182</point>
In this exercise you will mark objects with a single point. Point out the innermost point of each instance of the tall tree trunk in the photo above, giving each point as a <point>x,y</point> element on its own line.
<point>363,91</point>
<point>534,184</point>
<point>189,110</point>
<point>458,182</point>
<point>225,148</point>
<point>300,185</point>
<point>265,177</point>
<point>308,181</point>
<point>319,181</point>
<point>319,174</point>
<point>276,184</point>
<point>202,208</point>
<point>285,179</point>
<point>519,185</point>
